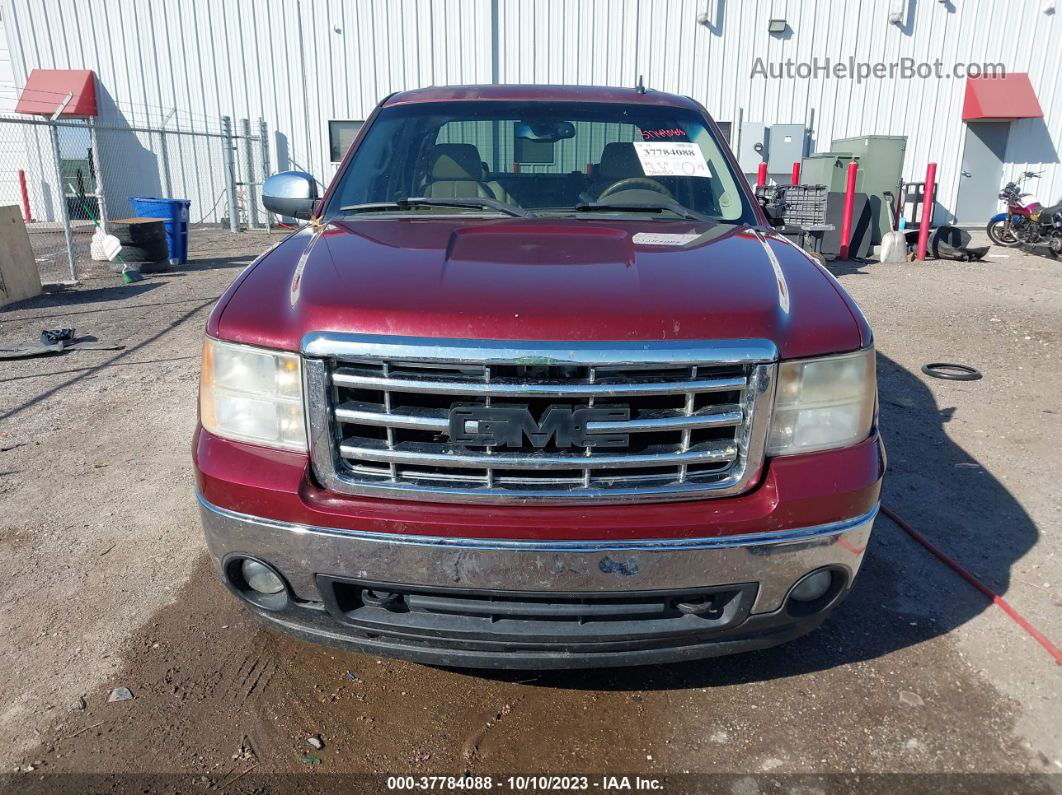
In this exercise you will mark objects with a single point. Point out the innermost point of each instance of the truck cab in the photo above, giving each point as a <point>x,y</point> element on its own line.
<point>538,386</point>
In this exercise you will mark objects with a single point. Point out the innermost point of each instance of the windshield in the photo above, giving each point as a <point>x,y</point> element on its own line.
<point>537,158</point>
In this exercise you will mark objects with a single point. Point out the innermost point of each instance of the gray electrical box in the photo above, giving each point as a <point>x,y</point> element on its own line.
<point>752,149</point>
<point>830,169</point>
<point>880,167</point>
<point>788,146</point>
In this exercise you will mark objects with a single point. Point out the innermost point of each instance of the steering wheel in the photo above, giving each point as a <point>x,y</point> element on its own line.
<point>634,182</point>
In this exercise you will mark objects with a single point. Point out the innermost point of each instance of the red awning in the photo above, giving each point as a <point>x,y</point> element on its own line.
<point>46,88</point>
<point>1000,98</point>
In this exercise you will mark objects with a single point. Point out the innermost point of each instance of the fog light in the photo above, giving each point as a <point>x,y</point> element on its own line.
<point>261,578</point>
<point>812,587</point>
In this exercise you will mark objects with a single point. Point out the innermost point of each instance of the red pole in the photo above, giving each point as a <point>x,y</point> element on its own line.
<point>761,175</point>
<point>927,211</point>
<point>796,173</point>
<point>846,215</point>
<point>25,197</point>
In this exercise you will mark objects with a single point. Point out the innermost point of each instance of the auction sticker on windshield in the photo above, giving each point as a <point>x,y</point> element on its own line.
<point>675,159</point>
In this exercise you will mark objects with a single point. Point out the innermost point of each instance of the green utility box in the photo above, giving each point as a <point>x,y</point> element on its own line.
<point>829,169</point>
<point>880,169</point>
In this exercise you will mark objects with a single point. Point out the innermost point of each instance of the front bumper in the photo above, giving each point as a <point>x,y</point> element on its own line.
<point>482,602</point>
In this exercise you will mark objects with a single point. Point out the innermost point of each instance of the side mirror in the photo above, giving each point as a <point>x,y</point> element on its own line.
<point>291,193</point>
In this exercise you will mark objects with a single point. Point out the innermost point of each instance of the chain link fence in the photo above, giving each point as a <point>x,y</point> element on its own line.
<point>69,176</point>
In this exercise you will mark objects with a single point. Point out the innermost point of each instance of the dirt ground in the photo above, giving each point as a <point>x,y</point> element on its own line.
<point>106,583</point>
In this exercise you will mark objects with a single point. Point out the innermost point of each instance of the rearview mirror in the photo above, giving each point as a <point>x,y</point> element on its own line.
<point>291,193</point>
<point>547,131</point>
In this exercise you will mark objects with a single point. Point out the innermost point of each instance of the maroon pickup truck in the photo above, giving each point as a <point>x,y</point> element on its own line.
<point>538,387</point>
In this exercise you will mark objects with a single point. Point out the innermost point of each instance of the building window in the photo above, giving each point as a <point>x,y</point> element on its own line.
<point>340,136</point>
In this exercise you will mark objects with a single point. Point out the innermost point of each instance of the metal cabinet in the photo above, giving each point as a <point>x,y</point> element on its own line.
<point>787,145</point>
<point>880,168</point>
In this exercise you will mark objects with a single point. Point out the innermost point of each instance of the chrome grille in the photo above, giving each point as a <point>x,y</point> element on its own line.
<point>684,419</point>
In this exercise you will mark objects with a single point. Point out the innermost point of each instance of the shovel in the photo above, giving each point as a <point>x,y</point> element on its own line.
<point>893,242</point>
<point>112,246</point>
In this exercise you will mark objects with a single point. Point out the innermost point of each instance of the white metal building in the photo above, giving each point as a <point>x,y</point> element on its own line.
<point>312,69</point>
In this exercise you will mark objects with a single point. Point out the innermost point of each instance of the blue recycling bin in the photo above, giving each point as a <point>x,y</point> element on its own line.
<point>175,213</point>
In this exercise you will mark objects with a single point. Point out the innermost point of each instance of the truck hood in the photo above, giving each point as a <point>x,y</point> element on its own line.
<point>540,279</point>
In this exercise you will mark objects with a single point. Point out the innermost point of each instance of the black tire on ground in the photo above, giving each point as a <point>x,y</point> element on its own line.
<point>951,372</point>
<point>150,253</point>
<point>140,234</point>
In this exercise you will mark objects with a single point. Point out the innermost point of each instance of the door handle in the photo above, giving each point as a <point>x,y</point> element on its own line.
<point>967,174</point>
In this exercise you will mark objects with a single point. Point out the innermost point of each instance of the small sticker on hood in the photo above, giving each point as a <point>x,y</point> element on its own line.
<point>659,239</point>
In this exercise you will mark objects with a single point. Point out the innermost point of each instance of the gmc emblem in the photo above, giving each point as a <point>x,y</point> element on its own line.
<point>508,426</point>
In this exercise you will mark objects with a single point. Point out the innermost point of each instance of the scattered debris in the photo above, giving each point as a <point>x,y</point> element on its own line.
<point>245,752</point>
<point>79,703</point>
<point>80,731</point>
<point>911,699</point>
<point>56,341</point>
<point>120,694</point>
<point>350,675</point>
<point>226,784</point>
<point>316,741</point>
<point>311,760</point>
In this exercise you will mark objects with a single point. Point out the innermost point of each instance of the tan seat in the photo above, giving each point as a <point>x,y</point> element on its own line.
<point>619,160</point>
<point>456,171</point>
<point>500,193</point>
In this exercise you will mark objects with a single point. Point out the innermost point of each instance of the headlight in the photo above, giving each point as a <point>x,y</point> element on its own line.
<point>252,395</point>
<point>823,403</point>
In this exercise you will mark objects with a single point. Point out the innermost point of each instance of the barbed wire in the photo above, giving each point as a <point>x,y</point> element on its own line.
<point>151,113</point>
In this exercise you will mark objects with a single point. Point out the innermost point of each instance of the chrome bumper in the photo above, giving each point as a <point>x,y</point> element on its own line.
<point>772,560</point>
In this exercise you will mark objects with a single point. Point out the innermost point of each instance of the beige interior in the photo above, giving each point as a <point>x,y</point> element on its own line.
<point>457,171</point>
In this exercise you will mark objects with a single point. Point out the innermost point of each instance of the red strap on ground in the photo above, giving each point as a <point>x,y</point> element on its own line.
<point>1018,618</point>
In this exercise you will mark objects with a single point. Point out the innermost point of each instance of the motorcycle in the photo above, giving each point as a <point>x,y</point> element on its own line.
<point>1026,222</point>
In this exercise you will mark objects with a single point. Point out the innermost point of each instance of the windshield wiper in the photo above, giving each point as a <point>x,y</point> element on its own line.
<point>665,205</point>
<point>471,202</point>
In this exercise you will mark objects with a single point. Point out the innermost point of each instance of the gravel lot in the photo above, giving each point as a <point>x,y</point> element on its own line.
<point>107,583</point>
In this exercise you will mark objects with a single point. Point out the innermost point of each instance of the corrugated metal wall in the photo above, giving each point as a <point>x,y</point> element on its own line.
<point>7,76</point>
<point>10,137</point>
<point>296,64</point>
<point>615,41</point>
<point>299,63</point>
